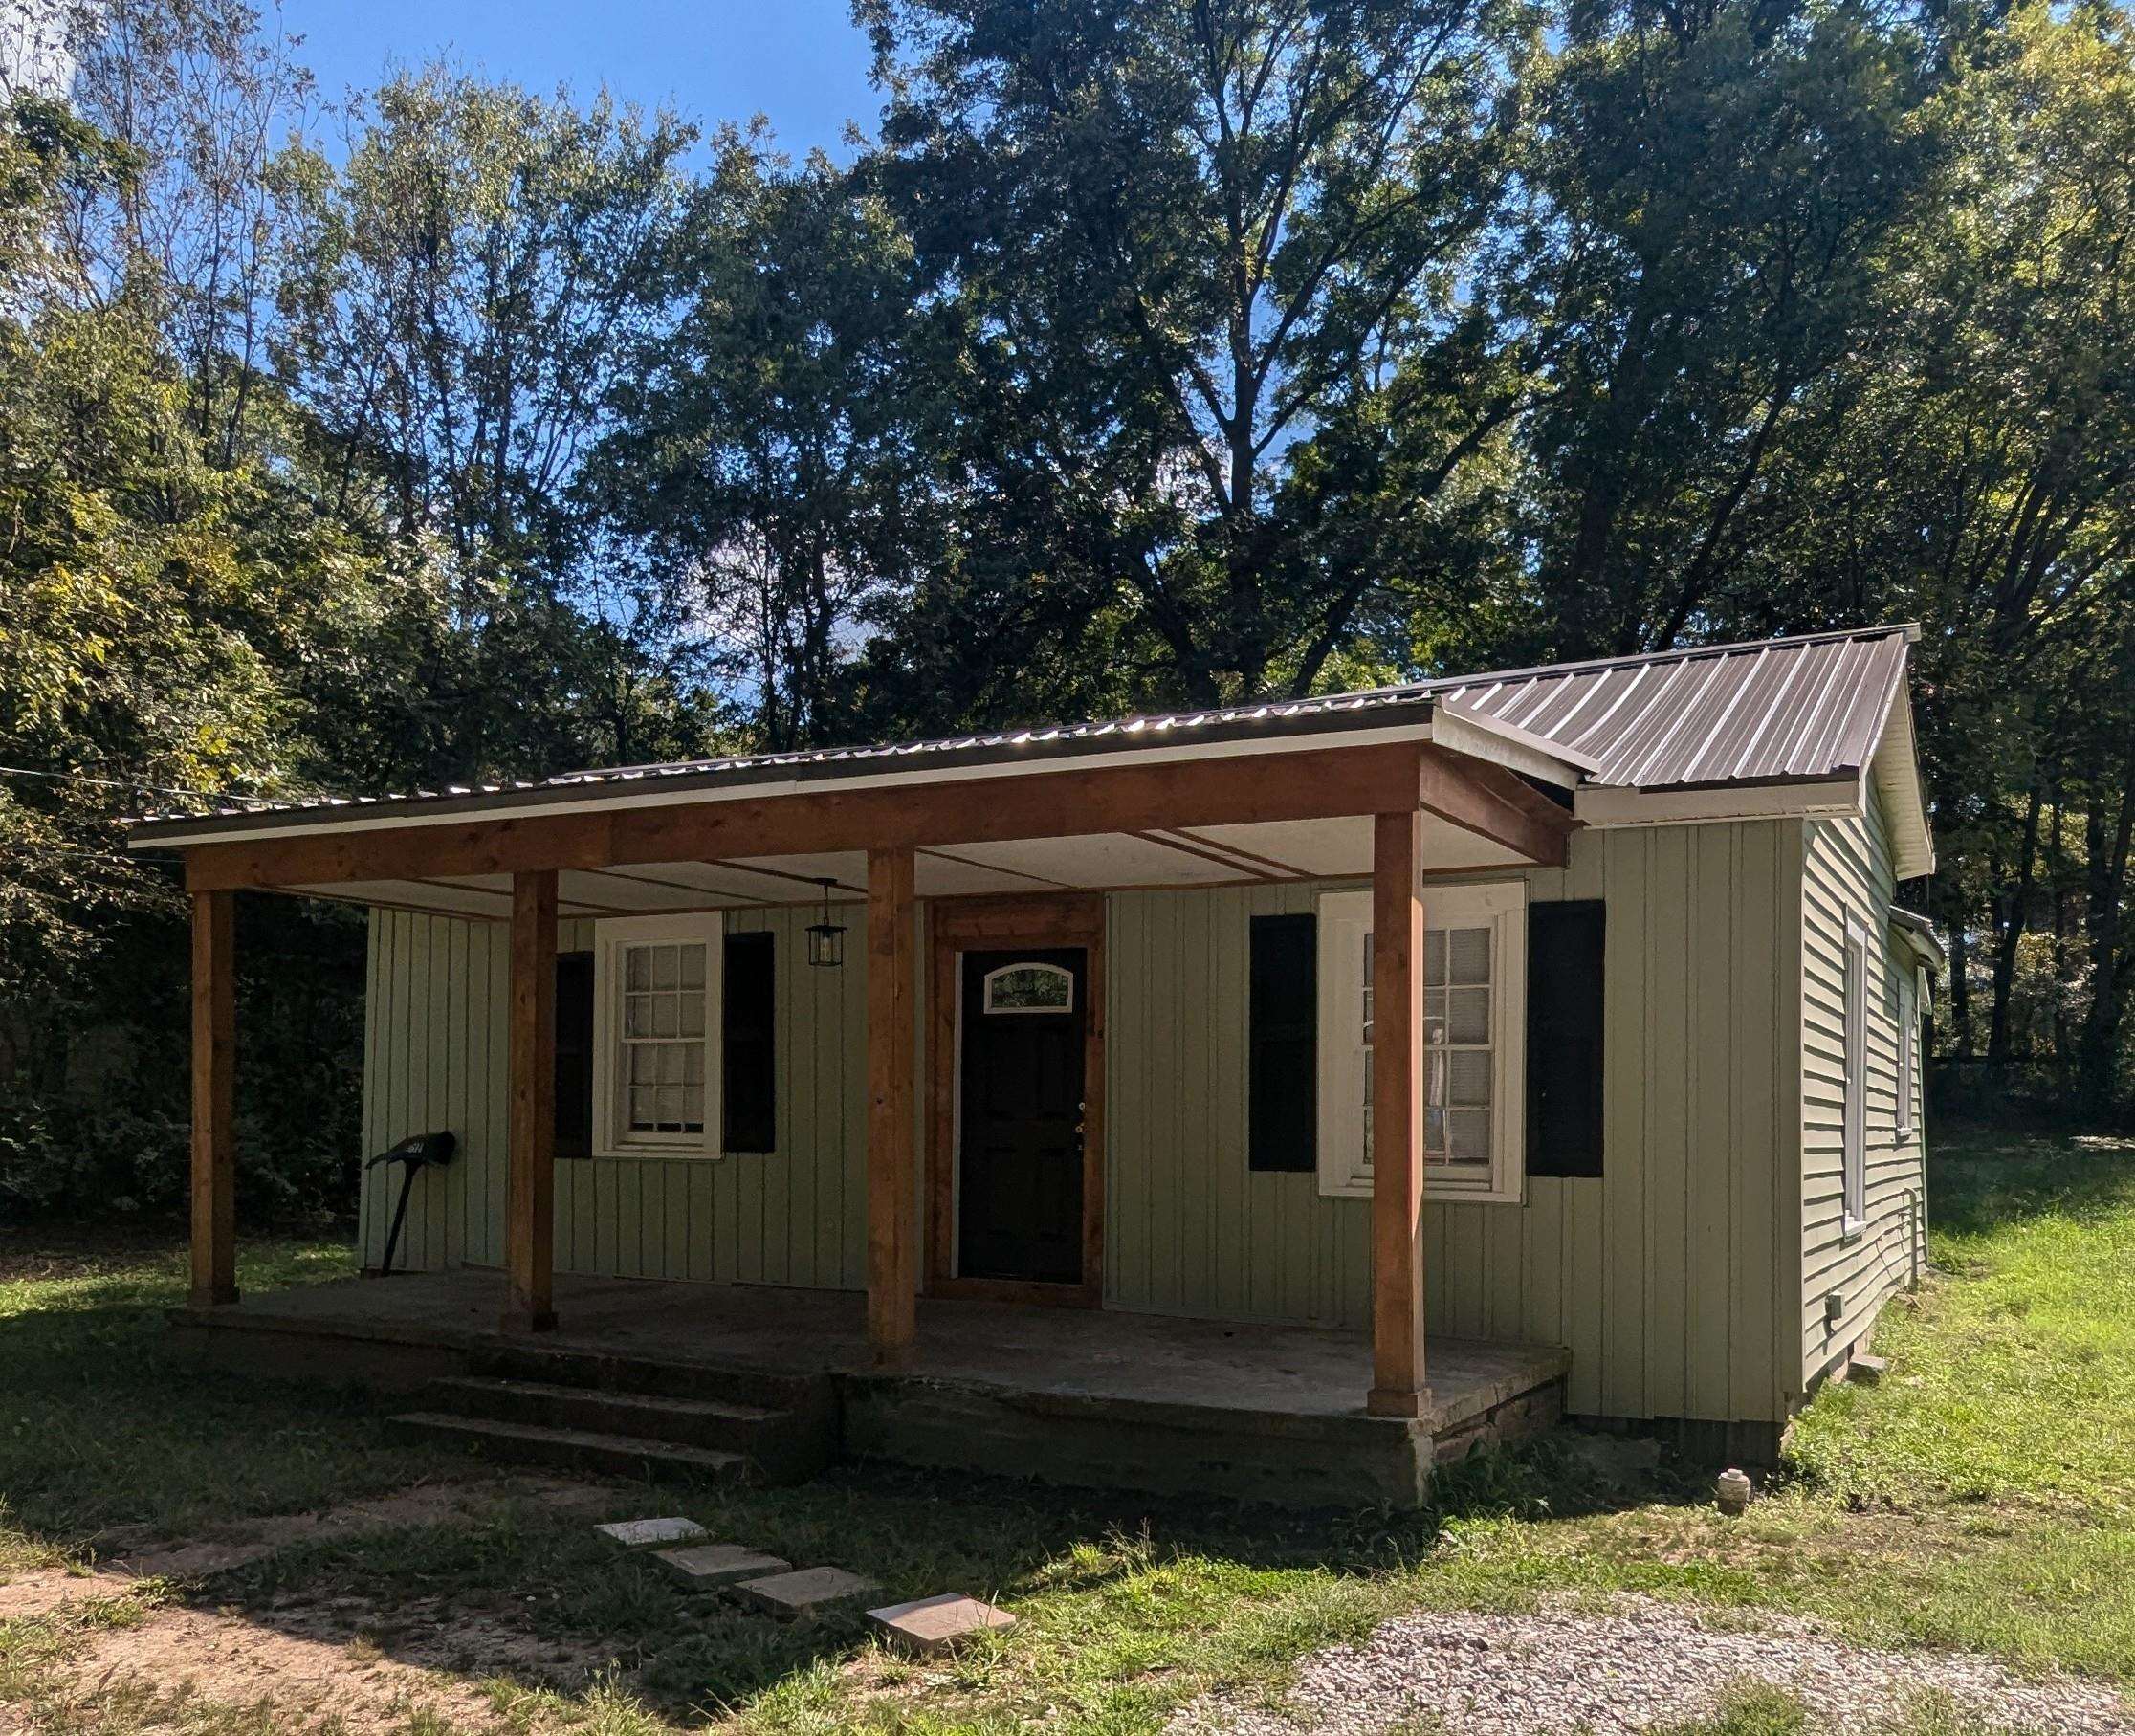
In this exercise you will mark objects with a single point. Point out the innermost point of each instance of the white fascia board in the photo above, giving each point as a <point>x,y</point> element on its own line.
<point>1896,769</point>
<point>608,797</point>
<point>1611,807</point>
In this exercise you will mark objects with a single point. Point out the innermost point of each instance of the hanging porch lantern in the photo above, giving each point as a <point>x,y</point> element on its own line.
<point>825,938</point>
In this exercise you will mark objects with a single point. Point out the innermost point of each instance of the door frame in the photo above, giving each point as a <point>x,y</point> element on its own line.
<point>972,925</point>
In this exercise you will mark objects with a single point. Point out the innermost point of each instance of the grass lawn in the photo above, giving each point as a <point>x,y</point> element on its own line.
<point>1982,1496</point>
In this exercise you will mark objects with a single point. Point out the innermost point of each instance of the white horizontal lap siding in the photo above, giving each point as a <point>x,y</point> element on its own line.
<point>1663,1277</point>
<point>1847,867</point>
<point>436,1055</point>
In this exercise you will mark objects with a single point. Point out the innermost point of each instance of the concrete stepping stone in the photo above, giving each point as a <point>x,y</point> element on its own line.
<point>930,1625</point>
<point>643,1533</point>
<point>796,1593</point>
<point>710,1564</point>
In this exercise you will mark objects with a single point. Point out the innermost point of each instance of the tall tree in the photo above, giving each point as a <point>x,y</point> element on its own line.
<point>461,298</point>
<point>1188,241</point>
<point>1708,189</point>
<point>775,452</point>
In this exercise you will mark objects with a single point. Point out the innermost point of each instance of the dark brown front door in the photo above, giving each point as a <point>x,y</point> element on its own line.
<point>1020,1145</point>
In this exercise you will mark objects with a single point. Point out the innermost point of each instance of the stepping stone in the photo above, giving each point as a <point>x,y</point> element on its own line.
<point>643,1533</point>
<point>929,1625</point>
<point>796,1593</point>
<point>710,1564</point>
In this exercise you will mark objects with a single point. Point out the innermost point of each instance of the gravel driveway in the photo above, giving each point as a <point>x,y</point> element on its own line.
<point>1646,1664</point>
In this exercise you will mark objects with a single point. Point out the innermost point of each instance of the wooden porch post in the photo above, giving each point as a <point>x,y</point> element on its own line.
<point>214,1072</point>
<point>530,1190</point>
<point>1397,1382</point>
<point>893,1186</point>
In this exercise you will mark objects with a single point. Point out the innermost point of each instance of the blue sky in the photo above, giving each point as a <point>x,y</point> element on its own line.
<point>801,62</point>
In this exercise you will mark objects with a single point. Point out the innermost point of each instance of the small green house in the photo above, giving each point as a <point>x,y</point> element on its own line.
<point>1566,1010</point>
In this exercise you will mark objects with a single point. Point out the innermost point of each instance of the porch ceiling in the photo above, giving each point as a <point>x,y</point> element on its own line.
<point>1182,856</point>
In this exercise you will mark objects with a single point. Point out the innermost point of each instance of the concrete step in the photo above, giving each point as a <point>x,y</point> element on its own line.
<point>580,1449</point>
<point>705,1422</point>
<point>561,1365</point>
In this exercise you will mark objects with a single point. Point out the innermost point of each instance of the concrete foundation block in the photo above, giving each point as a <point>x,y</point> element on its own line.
<point>930,1625</point>
<point>798,1592</point>
<point>714,1564</point>
<point>646,1533</point>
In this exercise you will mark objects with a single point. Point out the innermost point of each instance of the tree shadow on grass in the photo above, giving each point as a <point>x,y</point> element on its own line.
<point>540,1598</point>
<point>1981,1179</point>
<point>109,1433</point>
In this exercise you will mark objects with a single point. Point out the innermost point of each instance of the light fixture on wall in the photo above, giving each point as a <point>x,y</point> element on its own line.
<point>826,939</point>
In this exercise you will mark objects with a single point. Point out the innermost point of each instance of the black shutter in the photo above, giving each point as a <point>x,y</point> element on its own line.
<point>1565,956</point>
<point>1282,1049</point>
<point>747,1024</point>
<point>574,1054</point>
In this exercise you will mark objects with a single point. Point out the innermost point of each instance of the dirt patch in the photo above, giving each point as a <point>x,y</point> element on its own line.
<point>133,1556</point>
<point>177,1659</point>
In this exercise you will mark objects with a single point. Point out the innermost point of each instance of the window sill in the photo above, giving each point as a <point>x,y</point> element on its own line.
<point>1432,1196</point>
<point>695,1153</point>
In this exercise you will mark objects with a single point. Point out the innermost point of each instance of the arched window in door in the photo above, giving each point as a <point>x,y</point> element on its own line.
<point>1029,988</point>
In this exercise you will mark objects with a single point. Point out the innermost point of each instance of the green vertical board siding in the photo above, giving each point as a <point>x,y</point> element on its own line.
<point>436,1055</point>
<point>1846,866</point>
<point>1660,1276</point>
<point>1674,1279</point>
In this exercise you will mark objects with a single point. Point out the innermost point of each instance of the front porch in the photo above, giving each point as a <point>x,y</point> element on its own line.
<point>912,1136</point>
<point>1088,1397</point>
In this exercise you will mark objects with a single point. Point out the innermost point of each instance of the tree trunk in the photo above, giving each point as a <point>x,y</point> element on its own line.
<point>2106,921</point>
<point>1960,987</point>
<point>2013,906</point>
<point>2057,872</point>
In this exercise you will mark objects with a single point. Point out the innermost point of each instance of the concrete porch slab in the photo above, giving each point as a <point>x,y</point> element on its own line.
<point>1090,1397</point>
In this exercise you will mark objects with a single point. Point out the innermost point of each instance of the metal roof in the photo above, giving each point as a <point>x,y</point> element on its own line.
<point>1781,710</point>
<point>1777,710</point>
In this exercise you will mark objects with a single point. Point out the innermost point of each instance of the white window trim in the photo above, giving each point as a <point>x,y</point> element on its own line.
<point>1908,1049</point>
<point>1853,1137</point>
<point>609,938</point>
<point>1345,918</point>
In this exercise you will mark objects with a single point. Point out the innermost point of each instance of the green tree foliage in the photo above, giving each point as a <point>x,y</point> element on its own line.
<point>773,451</point>
<point>1154,350</point>
<point>223,576</point>
<point>1187,242</point>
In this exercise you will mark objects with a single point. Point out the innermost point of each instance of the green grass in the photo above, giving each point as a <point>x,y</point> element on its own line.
<point>104,1429</point>
<point>1982,1496</point>
<point>2019,1382</point>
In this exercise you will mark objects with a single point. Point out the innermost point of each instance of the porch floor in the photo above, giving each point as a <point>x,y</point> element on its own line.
<point>1083,1352</point>
<point>1144,1400</point>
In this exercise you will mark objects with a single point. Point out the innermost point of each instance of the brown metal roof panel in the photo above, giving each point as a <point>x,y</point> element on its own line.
<point>1723,735</point>
<point>1794,681</point>
<point>1864,726</point>
<point>1607,708</point>
<point>1854,688</point>
<point>1536,706</point>
<point>1645,720</point>
<point>1789,745</point>
<point>1682,752</point>
<point>1563,708</point>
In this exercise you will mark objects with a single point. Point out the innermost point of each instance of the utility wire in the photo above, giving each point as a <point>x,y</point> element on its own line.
<point>123,784</point>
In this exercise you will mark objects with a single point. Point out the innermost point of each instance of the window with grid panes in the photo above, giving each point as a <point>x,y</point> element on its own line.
<point>663,1038</point>
<point>1473,1030</point>
<point>657,1043</point>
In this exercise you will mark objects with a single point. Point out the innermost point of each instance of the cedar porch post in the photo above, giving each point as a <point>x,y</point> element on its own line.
<point>530,1191</point>
<point>1397,1384</point>
<point>893,1186</point>
<point>214,1057</point>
